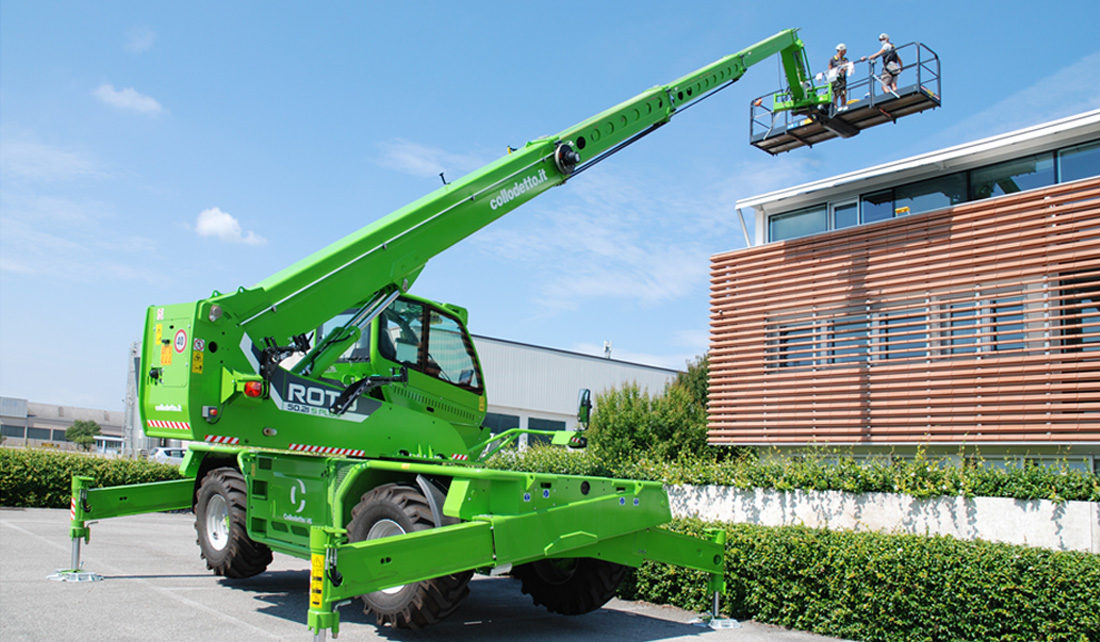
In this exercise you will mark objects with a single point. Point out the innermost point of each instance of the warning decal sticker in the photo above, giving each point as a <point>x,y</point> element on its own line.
<point>181,340</point>
<point>165,355</point>
<point>196,362</point>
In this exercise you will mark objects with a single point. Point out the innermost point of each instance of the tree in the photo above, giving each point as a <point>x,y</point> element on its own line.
<point>629,424</point>
<point>82,433</point>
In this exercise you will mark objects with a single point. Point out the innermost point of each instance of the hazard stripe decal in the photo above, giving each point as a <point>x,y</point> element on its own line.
<point>327,450</point>
<point>175,425</point>
<point>218,439</point>
<point>72,510</point>
<point>459,457</point>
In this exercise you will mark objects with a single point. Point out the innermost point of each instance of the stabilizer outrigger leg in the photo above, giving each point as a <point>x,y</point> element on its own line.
<point>78,530</point>
<point>116,501</point>
<point>717,586</point>
<point>322,614</point>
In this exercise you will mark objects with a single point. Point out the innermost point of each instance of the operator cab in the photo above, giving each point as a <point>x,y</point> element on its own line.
<point>776,128</point>
<point>429,341</point>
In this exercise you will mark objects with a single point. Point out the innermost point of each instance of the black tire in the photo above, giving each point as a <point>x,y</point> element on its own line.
<point>570,586</point>
<point>392,509</point>
<point>220,514</point>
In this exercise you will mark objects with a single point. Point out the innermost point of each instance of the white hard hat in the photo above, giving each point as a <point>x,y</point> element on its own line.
<point>841,47</point>
<point>884,36</point>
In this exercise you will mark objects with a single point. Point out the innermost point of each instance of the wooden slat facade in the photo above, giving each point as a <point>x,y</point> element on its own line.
<point>974,324</point>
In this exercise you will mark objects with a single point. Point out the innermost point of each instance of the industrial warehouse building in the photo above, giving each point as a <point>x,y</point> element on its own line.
<point>529,386</point>
<point>27,423</point>
<point>948,301</point>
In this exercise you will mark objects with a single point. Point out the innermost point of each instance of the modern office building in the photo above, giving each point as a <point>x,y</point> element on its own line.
<point>949,300</point>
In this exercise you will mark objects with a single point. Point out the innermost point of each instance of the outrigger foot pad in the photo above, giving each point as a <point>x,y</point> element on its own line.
<point>68,575</point>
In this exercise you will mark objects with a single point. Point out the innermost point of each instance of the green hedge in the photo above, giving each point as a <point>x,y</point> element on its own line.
<point>43,478</point>
<point>871,586</point>
<point>919,477</point>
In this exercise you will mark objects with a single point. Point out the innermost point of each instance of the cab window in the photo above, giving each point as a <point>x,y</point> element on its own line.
<point>438,348</point>
<point>448,352</point>
<point>401,331</point>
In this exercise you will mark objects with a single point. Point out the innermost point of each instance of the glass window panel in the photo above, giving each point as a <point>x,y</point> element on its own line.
<point>796,224</point>
<point>849,340</point>
<point>1081,161</point>
<point>11,431</point>
<point>963,322</point>
<point>845,215</point>
<point>331,325</point>
<point>402,325</point>
<point>1081,314</point>
<point>906,334</point>
<point>449,357</point>
<point>535,423</point>
<point>59,435</point>
<point>931,194</point>
<point>38,433</point>
<point>878,206</point>
<point>1012,176</point>
<point>498,422</point>
<point>795,346</point>
<point>1008,323</point>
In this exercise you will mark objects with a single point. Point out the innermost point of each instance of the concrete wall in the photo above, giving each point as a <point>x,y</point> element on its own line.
<point>1042,523</point>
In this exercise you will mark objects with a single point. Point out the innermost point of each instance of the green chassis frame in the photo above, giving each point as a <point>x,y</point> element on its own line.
<point>506,518</point>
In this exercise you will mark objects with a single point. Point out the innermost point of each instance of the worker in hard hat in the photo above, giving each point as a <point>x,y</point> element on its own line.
<point>838,74</point>
<point>891,64</point>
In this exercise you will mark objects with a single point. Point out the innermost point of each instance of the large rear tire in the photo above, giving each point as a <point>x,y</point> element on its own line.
<point>570,586</point>
<point>220,514</point>
<point>394,509</point>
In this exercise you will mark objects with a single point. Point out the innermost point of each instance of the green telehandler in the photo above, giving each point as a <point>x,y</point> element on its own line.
<point>334,417</point>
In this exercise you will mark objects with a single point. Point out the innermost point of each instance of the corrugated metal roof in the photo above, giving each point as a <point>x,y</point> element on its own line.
<point>1064,131</point>
<point>546,380</point>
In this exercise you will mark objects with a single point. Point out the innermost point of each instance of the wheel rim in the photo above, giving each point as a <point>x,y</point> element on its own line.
<point>386,528</point>
<point>217,523</point>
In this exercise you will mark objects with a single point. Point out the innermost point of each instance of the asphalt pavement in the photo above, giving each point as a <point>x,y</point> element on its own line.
<point>155,586</point>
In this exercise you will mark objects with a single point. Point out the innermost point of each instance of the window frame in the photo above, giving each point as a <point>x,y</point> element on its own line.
<point>426,310</point>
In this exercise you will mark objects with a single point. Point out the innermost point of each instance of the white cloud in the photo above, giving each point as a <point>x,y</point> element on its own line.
<point>140,39</point>
<point>15,267</point>
<point>221,225</point>
<point>128,99</point>
<point>35,161</point>
<point>1070,90</point>
<point>422,160</point>
<point>641,241</point>
<point>53,237</point>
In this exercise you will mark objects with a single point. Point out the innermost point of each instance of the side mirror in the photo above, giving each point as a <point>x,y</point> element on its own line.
<point>584,406</point>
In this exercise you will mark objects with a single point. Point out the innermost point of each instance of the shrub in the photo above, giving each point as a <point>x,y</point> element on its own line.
<point>43,479</point>
<point>920,477</point>
<point>629,423</point>
<point>871,586</point>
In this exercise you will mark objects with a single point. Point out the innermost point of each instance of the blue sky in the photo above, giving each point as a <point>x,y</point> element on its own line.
<point>153,152</point>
